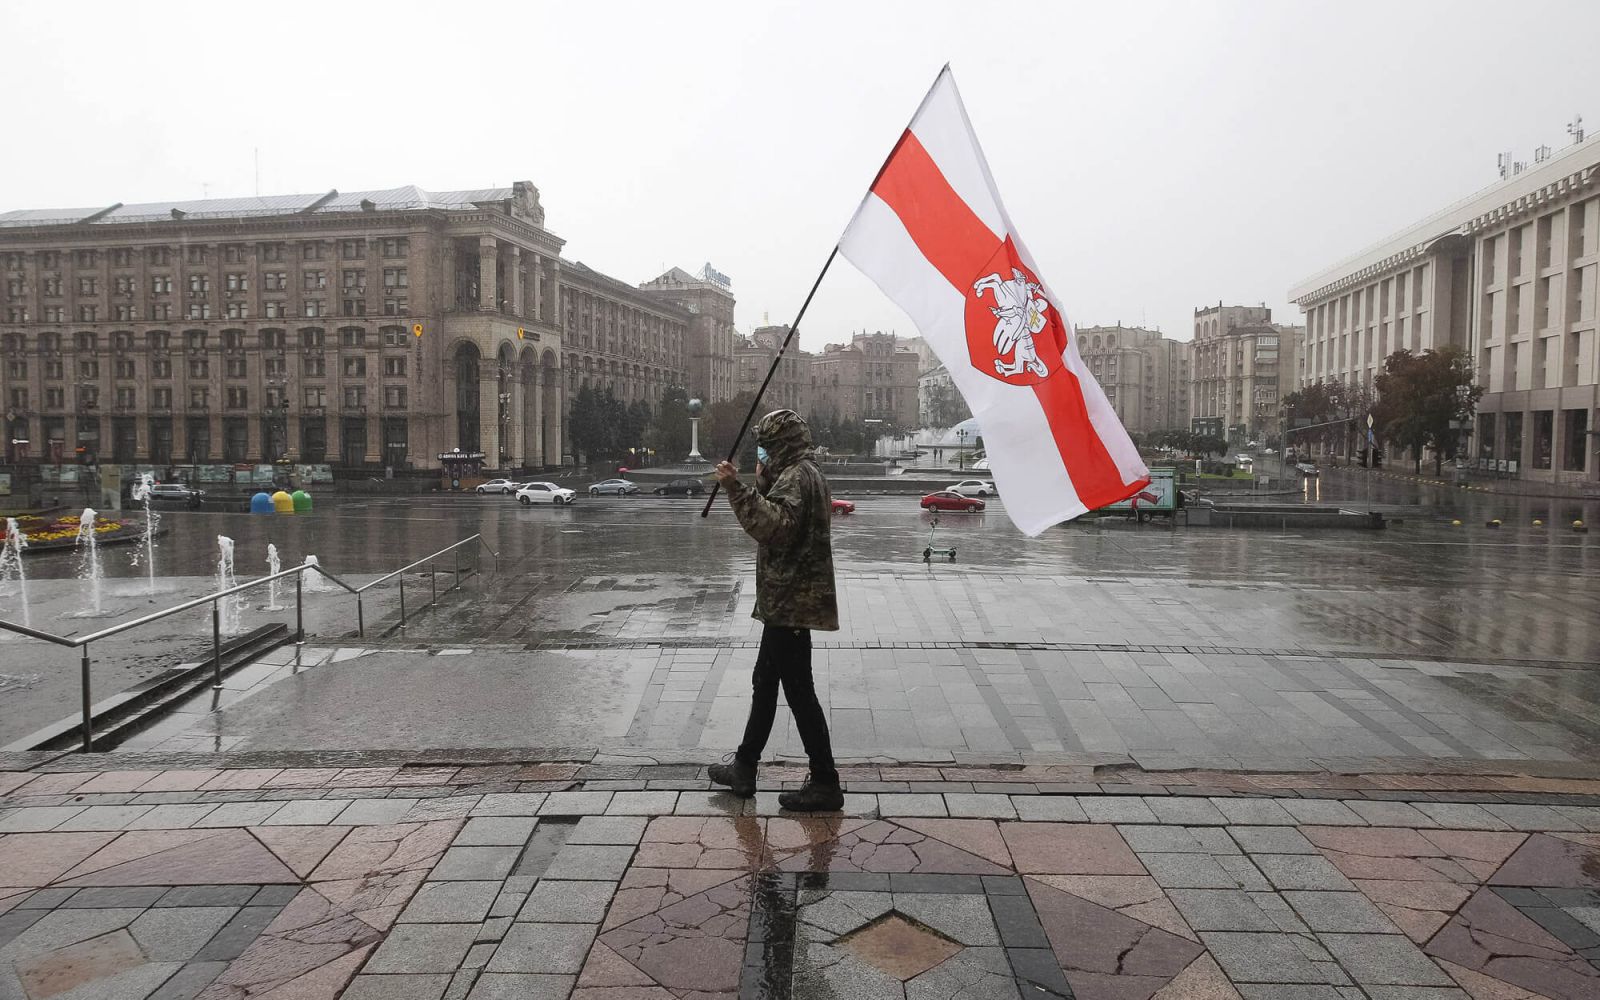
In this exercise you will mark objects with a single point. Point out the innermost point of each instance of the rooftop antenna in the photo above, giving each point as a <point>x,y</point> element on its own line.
<point>1575,129</point>
<point>1502,163</point>
<point>1541,154</point>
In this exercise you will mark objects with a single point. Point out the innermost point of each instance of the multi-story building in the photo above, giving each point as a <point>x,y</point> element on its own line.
<point>1507,275</point>
<point>874,377</point>
<point>927,360</point>
<point>362,329</point>
<point>1242,365</point>
<point>791,384</point>
<point>939,402</point>
<point>1144,375</point>
<point>708,350</point>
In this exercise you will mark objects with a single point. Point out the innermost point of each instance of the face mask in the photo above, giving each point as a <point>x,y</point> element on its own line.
<point>761,455</point>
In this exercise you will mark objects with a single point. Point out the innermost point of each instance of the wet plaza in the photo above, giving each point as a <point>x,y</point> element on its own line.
<point>1116,761</point>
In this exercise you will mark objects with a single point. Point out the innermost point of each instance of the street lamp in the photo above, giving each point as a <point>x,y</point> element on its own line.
<point>961,449</point>
<point>505,426</point>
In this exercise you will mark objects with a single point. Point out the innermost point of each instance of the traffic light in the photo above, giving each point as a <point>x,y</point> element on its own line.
<point>1377,457</point>
<point>1363,458</point>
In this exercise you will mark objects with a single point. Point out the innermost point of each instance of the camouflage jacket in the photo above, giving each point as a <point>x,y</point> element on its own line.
<point>789,513</point>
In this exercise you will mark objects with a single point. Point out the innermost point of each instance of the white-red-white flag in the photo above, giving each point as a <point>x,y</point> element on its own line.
<point>934,235</point>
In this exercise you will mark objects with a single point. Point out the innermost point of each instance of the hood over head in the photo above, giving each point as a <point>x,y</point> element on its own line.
<point>787,438</point>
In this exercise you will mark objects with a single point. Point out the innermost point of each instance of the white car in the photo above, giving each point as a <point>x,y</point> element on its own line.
<point>1243,460</point>
<point>505,487</point>
<point>533,493</point>
<point>973,488</point>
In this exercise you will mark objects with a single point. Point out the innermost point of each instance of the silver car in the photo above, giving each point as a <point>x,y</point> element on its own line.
<point>619,487</point>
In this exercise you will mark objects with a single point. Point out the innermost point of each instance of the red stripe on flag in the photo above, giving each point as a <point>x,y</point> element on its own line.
<point>959,245</point>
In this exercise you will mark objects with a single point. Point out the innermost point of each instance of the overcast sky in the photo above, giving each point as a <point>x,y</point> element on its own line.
<point>1155,156</point>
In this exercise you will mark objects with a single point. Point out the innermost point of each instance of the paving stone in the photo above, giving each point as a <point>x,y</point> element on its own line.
<point>575,803</point>
<point>307,812</point>
<point>230,942</point>
<point>1048,808</point>
<point>1252,812</point>
<point>176,934</point>
<point>461,983</point>
<point>976,806</point>
<point>492,831</point>
<point>1245,874</point>
<point>37,820</point>
<point>207,895</point>
<point>1391,814</point>
<point>1413,993</point>
<point>1188,871</point>
<point>1019,926</point>
<point>616,830</point>
<point>492,930</point>
<point>1116,809</point>
<point>1186,809</point>
<point>589,862</point>
<point>373,812</point>
<point>47,899</point>
<point>912,804</point>
<point>1260,958</point>
<point>1278,911</point>
<point>642,804</point>
<point>503,986</point>
<point>712,803</point>
<point>103,818</point>
<point>274,895</point>
<point>1220,910</point>
<point>1293,991</point>
<point>1039,966</point>
<point>1340,912</point>
<point>1461,816</point>
<point>451,902</point>
<point>172,817</point>
<point>1321,812</point>
<point>402,987</point>
<point>553,901</point>
<point>1301,871</point>
<point>1528,818</point>
<point>962,918</point>
<point>189,981</point>
<point>238,814</point>
<point>543,948</point>
<point>475,863</point>
<point>414,948</point>
<point>1168,839</point>
<point>479,954</point>
<point>429,809</point>
<point>910,882</point>
<point>1587,817</point>
<point>1271,840</point>
<point>1384,959</point>
<point>113,896</point>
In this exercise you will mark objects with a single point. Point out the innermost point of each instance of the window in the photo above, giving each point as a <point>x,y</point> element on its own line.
<point>125,368</point>
<point>122,311</point>
<point>311,337</point>
<point>159,256</point>
<point>311,251</point>
<point>312,307</point>
<point>199,367</point>
<point>160,368</point>
<point>353,307</point>
<point>127,284</point>
<point>316,395</point>
<point>313,280</point>
<point>88,397</point>
<point>394,277</point>
<point>52,287</point>
<point>1543,434</point>
<point>16,369</point>
<point>49,260</point>
<point>275,310</point>
<point>161,398</point>
<point>394,397</point>
<point>354,397</point>
<point>1575,437</point>
<point>88,314</point>
<point>196,339</point>
<point>352,249</point>
<point>55,398</point>
<point>160,284</point>
<point>236,253</point>
<point>160,310</point>
<point>352,336</point>
<point>11,261</point>
<point>233,339</point>
<point>85,258</point>
<point>122,258</point>
<point>395,307</point>
<point>276,398</point>
<point>275,281</point>
<point>55,314</point>
<point>159,340</point>
<point>394,366</point>
<point>199,310</point>
<point>195,254</point>
<point>19,398</point>
<point>14,287</point>
<point>355,367</point>
<point>237,310</point>
<point>88,286</point>
<point>238,281</point>
<point>393,336</point>
<point>125,398</point>
<point>396,246</point>
<point>271,253</point>
<point>89,368</point>
<point>238,398</point>
<point>16,314</point>
<point>314,367</point>
<point>199,283</point>
<point>199,398</point>
<point>122,340</point>
<point>272,339</point>
<point>274,367</point>
<point>238,368</point>
<point>354,278</point>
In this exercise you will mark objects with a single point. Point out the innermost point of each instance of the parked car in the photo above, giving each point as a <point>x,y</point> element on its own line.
<point>1307,469</point>
<point>1242,459</point>
<point>164,494</point>
<point>951,500</point>
<point>504,487</point>
<point>681,487</point>
<point>534,493</point>
<point>843,506</point>
<point>620,487</point>
<point>972,488</point>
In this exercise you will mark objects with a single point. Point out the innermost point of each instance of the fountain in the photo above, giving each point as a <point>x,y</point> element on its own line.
<point>315,583</point>
<point>89,569</point>
<point>11,564</point>
<point>274,567</point>
<point>231,606</point>
<point>147,552</point>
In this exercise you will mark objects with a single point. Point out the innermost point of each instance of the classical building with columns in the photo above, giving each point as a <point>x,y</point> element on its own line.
<point>1508,275</point>
<point>365,329</point>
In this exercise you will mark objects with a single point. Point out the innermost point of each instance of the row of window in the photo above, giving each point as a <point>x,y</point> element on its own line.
<point>157,312</point>
<point>234,281</point>
<point>235,397</point>
<point>197,340</point>
<point>125,368</point>
<point>232,253</point>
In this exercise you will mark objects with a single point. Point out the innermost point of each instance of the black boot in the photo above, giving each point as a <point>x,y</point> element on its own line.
<point>813,797</point>
<point>738,775</point>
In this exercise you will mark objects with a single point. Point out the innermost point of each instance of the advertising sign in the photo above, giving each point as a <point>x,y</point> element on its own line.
<point>1163,486</point>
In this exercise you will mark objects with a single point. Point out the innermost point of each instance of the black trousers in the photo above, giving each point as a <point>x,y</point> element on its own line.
<point>785,659</point>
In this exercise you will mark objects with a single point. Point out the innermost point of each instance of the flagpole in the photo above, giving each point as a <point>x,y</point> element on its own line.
<point>795,326</point>
<point>755,404</point>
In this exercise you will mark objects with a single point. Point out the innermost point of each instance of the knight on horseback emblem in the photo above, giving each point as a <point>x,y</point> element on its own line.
<point>1019,313</point>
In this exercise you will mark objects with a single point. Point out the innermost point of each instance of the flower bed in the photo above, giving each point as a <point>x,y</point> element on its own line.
<point>48,533</point>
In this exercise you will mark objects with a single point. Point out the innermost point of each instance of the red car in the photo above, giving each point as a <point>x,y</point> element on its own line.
<point>948,500</point>
<point>843,506</point>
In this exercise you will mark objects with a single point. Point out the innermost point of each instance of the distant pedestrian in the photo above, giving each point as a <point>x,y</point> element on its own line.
<point>788,513</point>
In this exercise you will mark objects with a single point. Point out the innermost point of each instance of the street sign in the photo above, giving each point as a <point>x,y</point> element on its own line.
<point>519,333</point>
<point>416,329</point>
<point>461,456</point>
<point>1369,420</point>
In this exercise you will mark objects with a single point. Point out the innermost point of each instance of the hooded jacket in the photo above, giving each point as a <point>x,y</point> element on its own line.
<point>789,514</point>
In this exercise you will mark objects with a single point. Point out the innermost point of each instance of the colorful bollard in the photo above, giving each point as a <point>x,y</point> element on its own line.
<point>282,502</point>
<point>1493,524</point>
<point>261,503</point>
<point>302,502</point>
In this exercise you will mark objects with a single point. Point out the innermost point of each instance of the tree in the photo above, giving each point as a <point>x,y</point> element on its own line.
<point>1208,444</point>
<point>584,425</point>
<point>946,408</point>
<point>635,424</point>
<point>1419,395</point>
<point>721,426</point>
<point>668,433</point>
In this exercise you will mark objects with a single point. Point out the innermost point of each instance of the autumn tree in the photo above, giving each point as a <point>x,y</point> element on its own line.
<point>1418,397</point>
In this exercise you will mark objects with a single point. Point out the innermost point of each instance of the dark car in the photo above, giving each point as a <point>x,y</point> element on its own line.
<point>951,500</point>
<point>175,494</point>
<point>681,487</point>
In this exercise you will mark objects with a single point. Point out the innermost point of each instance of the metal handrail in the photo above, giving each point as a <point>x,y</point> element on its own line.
<point>298,572</point>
